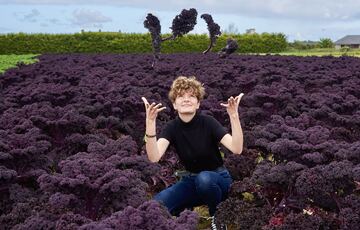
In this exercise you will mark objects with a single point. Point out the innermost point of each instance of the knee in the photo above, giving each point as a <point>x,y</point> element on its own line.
<point>162,197</point>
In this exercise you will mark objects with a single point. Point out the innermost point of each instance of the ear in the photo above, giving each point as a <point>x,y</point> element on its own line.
<point>198,105</point>
<point>174,106</point>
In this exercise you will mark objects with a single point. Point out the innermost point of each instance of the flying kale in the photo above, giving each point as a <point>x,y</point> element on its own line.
<point>183,23</point>
<point>214,30</point>
<point>231,47</point>
<point>152,23</point>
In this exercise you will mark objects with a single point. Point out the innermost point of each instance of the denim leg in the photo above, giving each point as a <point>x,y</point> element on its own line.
<point>213,187</point>
<point>179,196</point>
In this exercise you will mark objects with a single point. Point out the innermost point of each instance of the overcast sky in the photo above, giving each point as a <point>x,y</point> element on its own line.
<point>297,19</point>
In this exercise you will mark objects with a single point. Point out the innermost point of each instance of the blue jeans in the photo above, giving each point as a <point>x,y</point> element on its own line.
<point>205,188</point>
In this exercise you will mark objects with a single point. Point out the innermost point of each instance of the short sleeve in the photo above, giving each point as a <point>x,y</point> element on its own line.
<point>217,129</point>
<point>167,132</point>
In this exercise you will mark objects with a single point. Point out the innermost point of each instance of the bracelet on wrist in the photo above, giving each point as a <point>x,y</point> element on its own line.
<point>150,136</point>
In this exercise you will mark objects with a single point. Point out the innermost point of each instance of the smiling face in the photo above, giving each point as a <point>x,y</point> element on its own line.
<point>186,103</point>
<point>185,95</point>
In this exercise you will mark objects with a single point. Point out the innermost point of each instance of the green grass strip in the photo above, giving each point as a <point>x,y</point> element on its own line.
<point>322,52</point>
<point>10,61</point>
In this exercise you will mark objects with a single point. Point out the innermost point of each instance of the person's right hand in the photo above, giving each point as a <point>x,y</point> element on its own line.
<point>152,109</point>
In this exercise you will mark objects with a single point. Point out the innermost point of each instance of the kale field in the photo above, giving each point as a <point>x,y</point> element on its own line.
<point>72,154</point>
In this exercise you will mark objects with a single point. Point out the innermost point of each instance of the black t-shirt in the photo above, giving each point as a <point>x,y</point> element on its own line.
<point>196,142</point>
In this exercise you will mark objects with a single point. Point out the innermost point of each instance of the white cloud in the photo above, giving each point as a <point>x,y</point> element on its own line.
<point>54,21</point>
<point>314,19</point>
<point>89,18</point>
<point>57,22</point>
<point>28,17</point>
<point>32,17</point>
<point>291,9</point>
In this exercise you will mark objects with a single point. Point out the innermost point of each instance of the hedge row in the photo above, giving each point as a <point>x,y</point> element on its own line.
<point>113,42</point>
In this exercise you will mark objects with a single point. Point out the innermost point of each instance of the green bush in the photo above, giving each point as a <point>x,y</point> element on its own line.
<point>326,43</point>
<point>114,42</point>
<point>345,49</point>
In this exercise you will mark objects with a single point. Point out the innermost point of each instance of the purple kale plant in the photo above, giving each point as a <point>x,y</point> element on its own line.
<point>183,23</point>
<point>152,23</point>
<point>149,215</point>
<point>72,149</point>
<point>231,47</point>
<point>214,31</point>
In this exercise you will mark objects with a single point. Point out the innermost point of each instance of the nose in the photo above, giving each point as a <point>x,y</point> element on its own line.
<point>186,98</point>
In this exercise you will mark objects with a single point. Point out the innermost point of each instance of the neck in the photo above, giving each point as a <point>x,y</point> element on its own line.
<point>186,117</point>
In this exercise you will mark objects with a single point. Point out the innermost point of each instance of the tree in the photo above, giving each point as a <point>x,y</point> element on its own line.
<point>326,43</point>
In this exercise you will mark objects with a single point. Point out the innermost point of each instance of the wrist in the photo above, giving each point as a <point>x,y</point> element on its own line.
<point>150,121</point>
<point>150,135</point>
<point>234,115</point>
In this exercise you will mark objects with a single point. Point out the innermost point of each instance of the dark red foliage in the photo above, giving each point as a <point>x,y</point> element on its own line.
<point>150,215</point>
<point>184,22</point>
<point>72,151</point>
<point>231,47</point>
<point>214,30</point>
<point>152,23</point>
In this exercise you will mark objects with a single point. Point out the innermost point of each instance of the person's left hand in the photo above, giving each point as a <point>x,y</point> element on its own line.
<point>232,104</point>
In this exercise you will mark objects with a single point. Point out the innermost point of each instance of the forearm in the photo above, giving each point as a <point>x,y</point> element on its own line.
<point>236,133</point>
<point>151,142</point>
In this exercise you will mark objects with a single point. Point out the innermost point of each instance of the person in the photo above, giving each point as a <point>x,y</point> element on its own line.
<point>196,139</point>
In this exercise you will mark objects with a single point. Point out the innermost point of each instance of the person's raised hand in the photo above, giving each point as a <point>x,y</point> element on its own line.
<point>232,104</point>
<point>152,109</point>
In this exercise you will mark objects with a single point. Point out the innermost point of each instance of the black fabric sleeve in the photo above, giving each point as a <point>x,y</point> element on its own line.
<point>216,128</point>
<point>167,132</point>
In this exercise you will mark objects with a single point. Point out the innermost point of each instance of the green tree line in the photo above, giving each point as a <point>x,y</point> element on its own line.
<point>115,42</point>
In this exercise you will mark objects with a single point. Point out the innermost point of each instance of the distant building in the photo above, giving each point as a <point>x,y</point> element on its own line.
<point>250,31</point>
<point>352,41</point>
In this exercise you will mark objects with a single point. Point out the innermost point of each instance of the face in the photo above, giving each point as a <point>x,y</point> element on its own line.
<point>186,103</point>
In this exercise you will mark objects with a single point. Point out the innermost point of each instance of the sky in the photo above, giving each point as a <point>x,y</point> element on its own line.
<point>297,19</point>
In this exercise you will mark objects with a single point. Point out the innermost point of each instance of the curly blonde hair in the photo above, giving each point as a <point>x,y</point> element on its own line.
<point>183,84</point>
